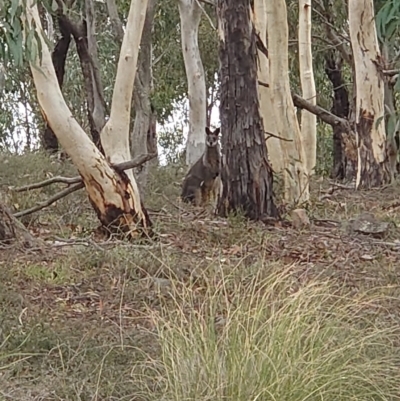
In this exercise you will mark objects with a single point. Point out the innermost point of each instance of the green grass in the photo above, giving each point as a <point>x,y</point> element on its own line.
<point>275,342</point>
<point>215,309</point>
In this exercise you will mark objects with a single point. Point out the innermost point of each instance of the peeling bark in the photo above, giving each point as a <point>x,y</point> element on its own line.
<point>113,194</point>
<point>246,172</point>
<point>373,165</point>
<point>59,55</point>
<point>190,15</point>
<point>141,97</point>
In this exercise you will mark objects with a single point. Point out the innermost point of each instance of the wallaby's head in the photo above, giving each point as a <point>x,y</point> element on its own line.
<point>212,137</point>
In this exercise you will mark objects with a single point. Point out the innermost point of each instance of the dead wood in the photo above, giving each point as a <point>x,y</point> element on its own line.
<point>77,184</point>
<point>13,232</point>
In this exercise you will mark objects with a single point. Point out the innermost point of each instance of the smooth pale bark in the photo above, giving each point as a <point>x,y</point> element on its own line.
<point>265,93</point>
<point>308,120</point>
<point>141,97</point>
<point>373,168</point>
<point>190,15</point>
<point>296,179</point>
<point>115,198</point>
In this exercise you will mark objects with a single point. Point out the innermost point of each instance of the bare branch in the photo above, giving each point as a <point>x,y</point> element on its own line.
<point>74,180</point>
<point>271,135</point>
<point>323,114</point>
<point>320,112</point>
<point>391,73</point>
<point>51,200</point>
<point>207,16</point>
<point>209,2</point>
<point>263,84</point>
<point>45,183</point>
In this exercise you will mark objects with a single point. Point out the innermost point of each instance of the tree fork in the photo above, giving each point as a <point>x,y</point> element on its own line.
<point>114,196</point>
<point>79,31</point>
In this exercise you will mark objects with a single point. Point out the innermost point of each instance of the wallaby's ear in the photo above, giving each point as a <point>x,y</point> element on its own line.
<point>208,132</point>
<point>217,131</point>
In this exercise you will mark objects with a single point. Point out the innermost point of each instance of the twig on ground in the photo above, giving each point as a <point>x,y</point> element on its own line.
<point>343,186</point>
<point>174,204</point>
<point>101,246</point>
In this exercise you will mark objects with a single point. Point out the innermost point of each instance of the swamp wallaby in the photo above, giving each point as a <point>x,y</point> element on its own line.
<point>202,182</point>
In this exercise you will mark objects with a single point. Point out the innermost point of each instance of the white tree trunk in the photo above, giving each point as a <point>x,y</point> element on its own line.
<point>296,180</point>
<point>308,120</point>
<point>190,15</point>
<point>373,169</point>
<point>264,93</point>
<point>115,198</point>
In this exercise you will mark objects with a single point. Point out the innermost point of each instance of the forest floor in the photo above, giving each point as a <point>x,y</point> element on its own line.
<point>77,320</point>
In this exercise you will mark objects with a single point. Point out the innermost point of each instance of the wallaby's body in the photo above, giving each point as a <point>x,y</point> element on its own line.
<point>202,182</point>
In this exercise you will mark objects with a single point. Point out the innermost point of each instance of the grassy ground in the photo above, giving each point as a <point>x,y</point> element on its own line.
<point>217,309</point>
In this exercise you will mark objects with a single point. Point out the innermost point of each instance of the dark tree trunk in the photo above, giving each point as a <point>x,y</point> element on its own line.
<point>246,172</point>
<point>49,140</point>
<point>344,144</point>
<point>152,136</point>
<point>94,93</point>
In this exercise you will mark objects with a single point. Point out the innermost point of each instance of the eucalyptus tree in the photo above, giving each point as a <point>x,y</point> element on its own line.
<point>190,12</point>
<point>295,171</point>
<point>388,25</point>
<point>264,88</point>
<point>308,120</point>
<point>246,172</point>
<point>113,194</point>
<point>143,136</point>
<point>373,164</point>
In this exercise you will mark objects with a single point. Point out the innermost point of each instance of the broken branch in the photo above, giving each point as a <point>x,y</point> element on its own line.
<point>50,201</point>
<point>73,180</point>
<point>323,114</point>
<point>78,184</point>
